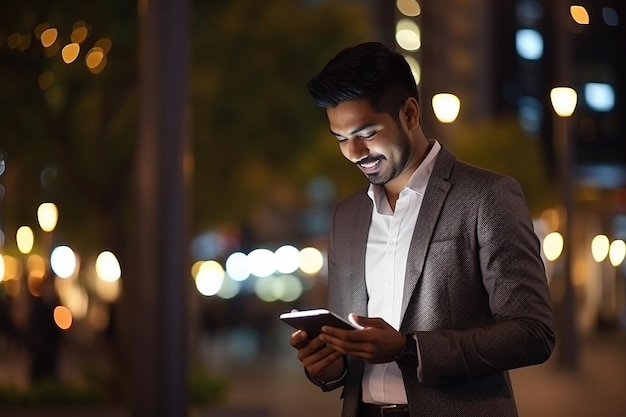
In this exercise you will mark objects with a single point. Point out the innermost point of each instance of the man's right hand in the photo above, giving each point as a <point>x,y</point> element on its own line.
<point>320,361</point>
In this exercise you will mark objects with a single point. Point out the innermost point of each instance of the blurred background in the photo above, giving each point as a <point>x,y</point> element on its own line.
<point>166,183</point>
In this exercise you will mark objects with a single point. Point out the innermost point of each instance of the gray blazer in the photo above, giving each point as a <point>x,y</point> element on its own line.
<point>475,294</point>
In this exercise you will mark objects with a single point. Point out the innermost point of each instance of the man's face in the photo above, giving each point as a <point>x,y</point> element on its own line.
<point>373,141</point>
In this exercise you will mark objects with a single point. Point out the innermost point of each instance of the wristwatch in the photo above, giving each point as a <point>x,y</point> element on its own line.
<point>407,357</point>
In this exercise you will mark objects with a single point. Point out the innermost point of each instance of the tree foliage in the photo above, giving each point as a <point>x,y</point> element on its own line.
<point>255,133</point>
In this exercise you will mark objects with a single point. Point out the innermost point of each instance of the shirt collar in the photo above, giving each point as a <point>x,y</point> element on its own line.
<point>418,181</point>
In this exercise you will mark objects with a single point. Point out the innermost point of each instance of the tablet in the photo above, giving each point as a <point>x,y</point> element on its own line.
<point>311,321</point>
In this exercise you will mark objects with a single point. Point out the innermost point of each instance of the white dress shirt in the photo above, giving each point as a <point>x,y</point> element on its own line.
<point>385,267</point>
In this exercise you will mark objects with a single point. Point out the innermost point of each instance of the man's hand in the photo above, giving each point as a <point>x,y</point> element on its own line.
<point>377,342</point>
<point>320,361</point>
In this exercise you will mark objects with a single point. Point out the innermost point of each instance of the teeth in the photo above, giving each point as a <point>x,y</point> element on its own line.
<point>369,164</point>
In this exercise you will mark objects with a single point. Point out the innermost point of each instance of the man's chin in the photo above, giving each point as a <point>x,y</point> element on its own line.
<point>376,179</point>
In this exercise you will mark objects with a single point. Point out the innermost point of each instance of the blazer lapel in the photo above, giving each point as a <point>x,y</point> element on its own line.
<point>434,197</point>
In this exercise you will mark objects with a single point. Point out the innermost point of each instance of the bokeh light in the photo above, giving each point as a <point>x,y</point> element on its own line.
<point>63,317</point>
<point>63,261</point>
<point>311,260</point>
<point>25,239</point>
<point>600,247</point>
<point>108,267</point>
<point>553,246</point>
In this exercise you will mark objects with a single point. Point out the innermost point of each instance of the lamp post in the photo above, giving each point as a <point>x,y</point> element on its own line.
<point>564,102</point>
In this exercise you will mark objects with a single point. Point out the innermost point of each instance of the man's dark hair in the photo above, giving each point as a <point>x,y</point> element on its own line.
<point>369,70</point>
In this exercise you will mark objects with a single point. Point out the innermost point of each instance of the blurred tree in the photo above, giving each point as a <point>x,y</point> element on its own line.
<point>256,132</point>
<point>257,138</point>
<point>501,145</point>
<point>70,134</point>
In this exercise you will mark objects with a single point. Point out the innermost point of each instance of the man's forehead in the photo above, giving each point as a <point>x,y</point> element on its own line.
<point>353,115</point>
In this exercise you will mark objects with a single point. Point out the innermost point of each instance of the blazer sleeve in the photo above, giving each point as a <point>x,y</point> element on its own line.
<point>520,328</point>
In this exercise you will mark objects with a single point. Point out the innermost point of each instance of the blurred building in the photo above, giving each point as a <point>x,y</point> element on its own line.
<point>502,58</point>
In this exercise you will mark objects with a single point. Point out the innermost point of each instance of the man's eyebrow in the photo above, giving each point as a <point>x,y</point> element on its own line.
<point>357,130</point>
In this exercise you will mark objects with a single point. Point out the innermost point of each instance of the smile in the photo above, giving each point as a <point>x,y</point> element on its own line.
<point>369,164</point>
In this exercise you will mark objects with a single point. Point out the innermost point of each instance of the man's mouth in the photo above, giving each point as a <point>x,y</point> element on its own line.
<point>369,164</point>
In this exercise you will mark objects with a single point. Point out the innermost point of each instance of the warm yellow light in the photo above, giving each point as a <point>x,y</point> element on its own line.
<point>311,261</point>
<point>107,267</point>
<point>210,278</point>
<point>12,268</point>
<point>36,266</point>
<point>617,252</point>
<point>79,34</point>
<point>13,40</point>
<point>39,29</point>
<point>409,7</point>
<point>48,37</point>
<point>600,248</point>
<point>563,100</point>
<point>446,107</point>
<point>1,268</point>
<point>94,57</point>
<point>105,44</point>
<point>408,35</point>
<point>553,246</point>
<point>108,291</point>
<point>579,14</point>
<point>24,239</point>
<point>47,215</point>
<point>70,52</point>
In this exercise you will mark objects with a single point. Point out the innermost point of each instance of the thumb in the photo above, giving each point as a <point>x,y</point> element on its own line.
<point>360,322</point>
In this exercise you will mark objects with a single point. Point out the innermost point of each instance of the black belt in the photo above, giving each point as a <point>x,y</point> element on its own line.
<point>374,410</point>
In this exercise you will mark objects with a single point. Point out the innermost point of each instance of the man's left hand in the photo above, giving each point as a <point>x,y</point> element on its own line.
<point>377,342</point>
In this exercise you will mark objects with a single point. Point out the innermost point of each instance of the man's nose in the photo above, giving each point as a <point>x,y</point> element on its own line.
<point>357,150</point>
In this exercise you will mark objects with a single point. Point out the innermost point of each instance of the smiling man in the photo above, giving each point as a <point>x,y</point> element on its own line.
<point>437,260</point>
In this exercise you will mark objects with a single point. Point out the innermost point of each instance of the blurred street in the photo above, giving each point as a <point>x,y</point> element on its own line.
<point>273,384</point>
<point>276,386</point>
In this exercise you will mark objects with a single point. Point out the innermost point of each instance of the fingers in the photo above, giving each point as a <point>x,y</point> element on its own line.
<point>299,339</point>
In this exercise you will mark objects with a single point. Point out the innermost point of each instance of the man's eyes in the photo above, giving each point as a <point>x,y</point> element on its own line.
<point>367,135</point>
<point>362,136</point>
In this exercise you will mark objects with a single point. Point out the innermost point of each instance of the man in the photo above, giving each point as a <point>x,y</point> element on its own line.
<point>437,260</point>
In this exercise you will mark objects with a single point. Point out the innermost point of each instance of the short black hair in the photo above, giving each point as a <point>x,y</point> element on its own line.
<point>369,70</point>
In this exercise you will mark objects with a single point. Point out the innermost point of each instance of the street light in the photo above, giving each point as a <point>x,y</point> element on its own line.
<point>446,107</point>
<point>564,103</point>
<point>563,100</point>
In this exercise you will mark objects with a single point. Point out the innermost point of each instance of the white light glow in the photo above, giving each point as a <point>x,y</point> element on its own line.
<point>600,96</point>
<point>63,261</point>
<point>237,266</point>
<point>261,262</point>
<point>287,259</point>
<point>529,44</point>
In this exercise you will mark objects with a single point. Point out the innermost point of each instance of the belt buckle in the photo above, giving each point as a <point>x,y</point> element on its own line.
<point>392,409</point>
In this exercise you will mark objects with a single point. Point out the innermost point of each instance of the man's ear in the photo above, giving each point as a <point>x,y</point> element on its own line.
<point>410,113</point>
